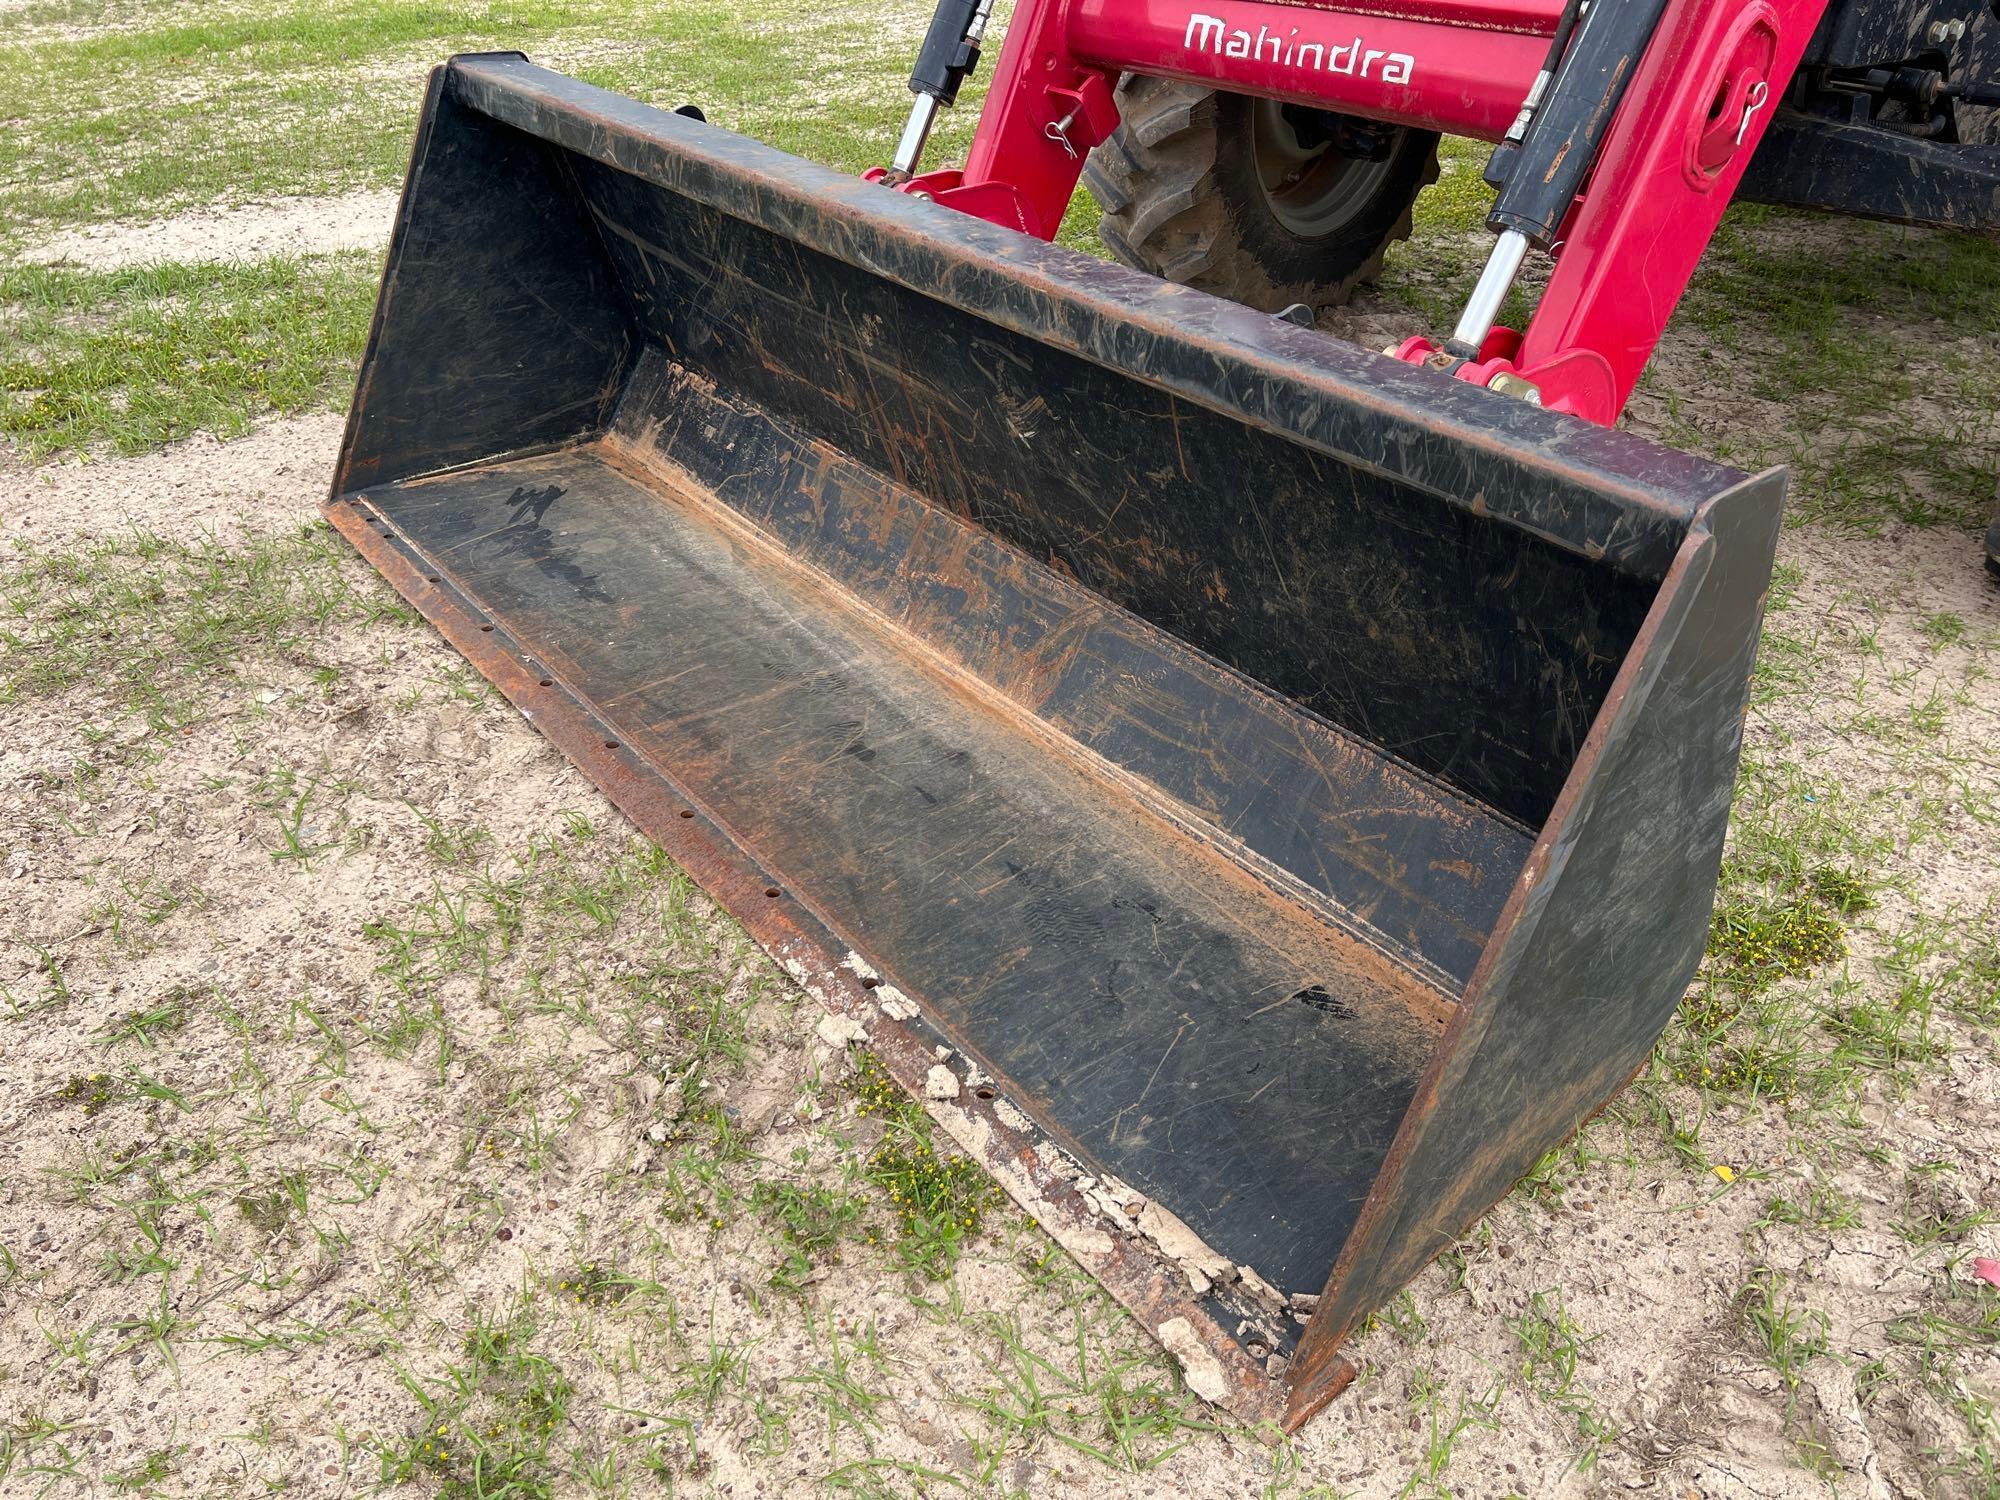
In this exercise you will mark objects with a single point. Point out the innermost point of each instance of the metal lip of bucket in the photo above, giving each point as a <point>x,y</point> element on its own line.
<point>1610,495</point>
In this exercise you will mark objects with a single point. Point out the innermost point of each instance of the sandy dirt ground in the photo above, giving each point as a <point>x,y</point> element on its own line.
<point>386,1113</point>
<point>251,231</point>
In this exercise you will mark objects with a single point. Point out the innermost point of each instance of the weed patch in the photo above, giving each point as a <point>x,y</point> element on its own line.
<point>1787,1332</point>
<point>96,1092</point>
<point>1753,944</point>
<point>593,1284</point>
<point>938,1200</point>
<point>813,1220</point>
<point>490,1428</point>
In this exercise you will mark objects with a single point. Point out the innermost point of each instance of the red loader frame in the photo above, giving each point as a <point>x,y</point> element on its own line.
<point>1669,160</point>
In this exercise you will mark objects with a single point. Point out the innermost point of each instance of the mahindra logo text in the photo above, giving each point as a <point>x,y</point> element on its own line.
<point>1214,35</point>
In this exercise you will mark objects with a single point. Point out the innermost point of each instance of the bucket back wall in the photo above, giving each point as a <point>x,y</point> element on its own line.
<point>1471,649</point>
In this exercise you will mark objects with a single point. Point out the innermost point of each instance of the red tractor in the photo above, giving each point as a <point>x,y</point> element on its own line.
<point>1270,152</point>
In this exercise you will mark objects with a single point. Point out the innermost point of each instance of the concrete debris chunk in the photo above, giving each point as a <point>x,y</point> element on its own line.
<point>839,1031</point>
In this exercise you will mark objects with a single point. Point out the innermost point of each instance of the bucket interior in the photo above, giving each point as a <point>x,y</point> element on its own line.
<point>1177,766</point>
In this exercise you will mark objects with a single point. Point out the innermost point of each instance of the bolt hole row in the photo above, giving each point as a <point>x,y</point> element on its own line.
<point>686,812</point>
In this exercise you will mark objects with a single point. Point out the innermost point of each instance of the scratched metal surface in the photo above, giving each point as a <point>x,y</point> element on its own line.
<point>1598,492</point>
<point>1135,987</point>
<point>1360,573</point>
<point>511,340</point>
<point>1477,652</point>
<point>1416,869</point>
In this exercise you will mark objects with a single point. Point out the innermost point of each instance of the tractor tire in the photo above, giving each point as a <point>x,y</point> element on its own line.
<point>1262,203</point>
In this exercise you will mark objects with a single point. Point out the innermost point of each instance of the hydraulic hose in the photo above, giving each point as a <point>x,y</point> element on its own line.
<point>1502,160</point>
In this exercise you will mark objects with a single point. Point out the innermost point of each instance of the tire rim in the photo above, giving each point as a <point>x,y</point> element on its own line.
<point>1313,191</point>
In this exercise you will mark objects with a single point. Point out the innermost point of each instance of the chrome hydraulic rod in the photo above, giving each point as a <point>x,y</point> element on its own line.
<point>949,54</point>
<point>1482,308</point>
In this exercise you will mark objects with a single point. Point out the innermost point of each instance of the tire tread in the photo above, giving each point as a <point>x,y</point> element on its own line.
<point>1164,210</point>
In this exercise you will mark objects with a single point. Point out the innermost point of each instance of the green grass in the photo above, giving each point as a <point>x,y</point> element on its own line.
<point>1786,306</point>
<point>148,1026</point>
<point>135,358</point>
<point>1789,302</point>
<point>814,1220</point>
<point>492,1426</point>
<point>1782,284</point>
<point>149,1474</point>
<point>1943,630</point>
<point>1786,1330</point>
<point>159,629</point>
<point>222,107</point>
<point>1553,1350</point>
<point>225,106</point>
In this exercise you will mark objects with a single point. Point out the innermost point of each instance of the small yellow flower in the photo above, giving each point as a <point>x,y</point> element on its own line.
<point>1725,1173</point>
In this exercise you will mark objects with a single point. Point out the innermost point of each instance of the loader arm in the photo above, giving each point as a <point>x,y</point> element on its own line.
<point>1690,96</point>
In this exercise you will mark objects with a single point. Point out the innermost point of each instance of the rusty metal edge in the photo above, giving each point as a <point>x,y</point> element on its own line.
<point>1151,1289</point>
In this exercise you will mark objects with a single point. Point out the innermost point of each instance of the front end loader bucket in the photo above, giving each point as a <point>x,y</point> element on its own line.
<point>1265,795</point>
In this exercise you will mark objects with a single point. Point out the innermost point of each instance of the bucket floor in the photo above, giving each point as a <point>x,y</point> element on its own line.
<point>1224,1050</point>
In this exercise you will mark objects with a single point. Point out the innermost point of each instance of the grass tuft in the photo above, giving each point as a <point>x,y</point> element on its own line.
<point>132,359</point>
